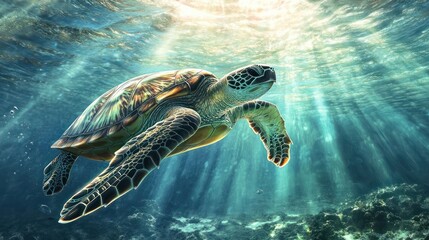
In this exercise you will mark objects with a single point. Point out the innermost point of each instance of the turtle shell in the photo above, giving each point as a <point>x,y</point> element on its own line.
<point>117,115</point>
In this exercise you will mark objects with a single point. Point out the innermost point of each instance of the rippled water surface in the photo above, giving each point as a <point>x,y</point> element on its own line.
<point>352,85</point>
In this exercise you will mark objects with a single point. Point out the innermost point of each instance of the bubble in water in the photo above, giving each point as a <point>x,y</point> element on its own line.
<point>13,110</point>
<point>20,136</point>
<point>44,209</point>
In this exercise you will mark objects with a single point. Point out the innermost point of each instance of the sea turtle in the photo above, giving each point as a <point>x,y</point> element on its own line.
<point>154,116</point>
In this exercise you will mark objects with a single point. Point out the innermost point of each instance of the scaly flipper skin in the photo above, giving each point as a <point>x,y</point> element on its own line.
<point>132,163</point>
<point>265,119</point>
<point>57,172</point>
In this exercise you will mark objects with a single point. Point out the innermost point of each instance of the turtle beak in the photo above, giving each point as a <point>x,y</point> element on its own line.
<point>269,76</point>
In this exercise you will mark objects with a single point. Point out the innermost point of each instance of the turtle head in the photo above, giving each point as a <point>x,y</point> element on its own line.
<point>249,82</point>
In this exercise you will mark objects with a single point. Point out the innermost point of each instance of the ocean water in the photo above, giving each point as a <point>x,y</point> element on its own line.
<point>352,86</point>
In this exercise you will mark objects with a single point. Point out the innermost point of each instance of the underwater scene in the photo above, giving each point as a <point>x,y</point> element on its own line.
<point>337,92</point>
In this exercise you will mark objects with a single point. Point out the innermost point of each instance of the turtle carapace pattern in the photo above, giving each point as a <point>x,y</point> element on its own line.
<point>146,119</point>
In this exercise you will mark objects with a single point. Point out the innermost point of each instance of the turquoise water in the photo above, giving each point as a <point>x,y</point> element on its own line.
<point>352,86</point>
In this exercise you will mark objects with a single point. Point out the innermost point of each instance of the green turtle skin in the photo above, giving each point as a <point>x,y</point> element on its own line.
<point>146,119</point>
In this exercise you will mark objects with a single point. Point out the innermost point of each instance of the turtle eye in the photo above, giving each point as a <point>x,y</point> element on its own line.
<point>252,73</point>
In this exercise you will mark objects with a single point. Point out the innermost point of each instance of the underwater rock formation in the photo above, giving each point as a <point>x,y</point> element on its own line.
<point>395,212</point>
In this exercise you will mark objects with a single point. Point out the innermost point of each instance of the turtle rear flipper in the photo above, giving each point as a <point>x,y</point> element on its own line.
<point>265,119</point>
<point>57,172</point>
<point>132,163</point>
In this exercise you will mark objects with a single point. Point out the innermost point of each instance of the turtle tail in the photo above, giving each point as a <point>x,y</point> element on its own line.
<point>57,172</point>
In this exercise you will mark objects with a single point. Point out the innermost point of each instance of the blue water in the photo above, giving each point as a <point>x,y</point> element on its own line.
<point>352,86</point>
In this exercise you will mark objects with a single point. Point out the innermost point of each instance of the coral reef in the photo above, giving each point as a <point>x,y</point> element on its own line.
<point>395,212</point>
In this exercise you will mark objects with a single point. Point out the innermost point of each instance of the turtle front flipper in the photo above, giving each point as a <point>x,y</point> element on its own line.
<point>132,163</point>
<point>265,119</point>
<point>57,172</point>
